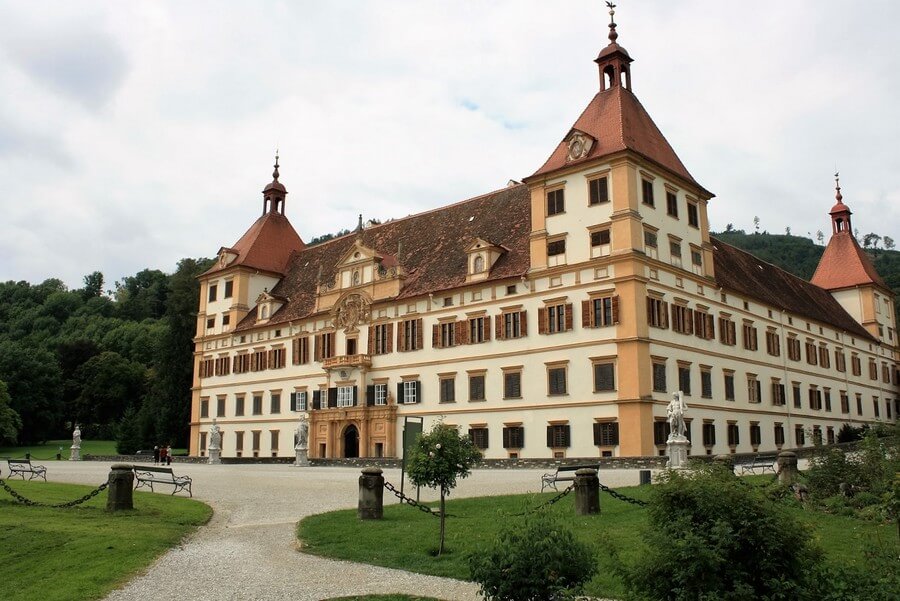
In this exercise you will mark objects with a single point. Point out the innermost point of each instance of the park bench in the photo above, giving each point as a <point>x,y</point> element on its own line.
<point>24,466</point>
<point>149,475</point>
<point>757,462</point>
<point>564,473</point>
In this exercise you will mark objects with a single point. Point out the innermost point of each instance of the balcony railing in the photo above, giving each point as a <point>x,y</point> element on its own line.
<point>347,361</point>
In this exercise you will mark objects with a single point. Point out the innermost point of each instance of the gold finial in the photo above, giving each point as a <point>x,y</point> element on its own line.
<point>612,23</point>
<point>837,186</point>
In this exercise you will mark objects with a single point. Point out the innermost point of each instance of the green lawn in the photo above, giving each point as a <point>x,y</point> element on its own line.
<point>406,537</point>
<point>84,552</point>
<point>48,450</point>
<point>383,598</point>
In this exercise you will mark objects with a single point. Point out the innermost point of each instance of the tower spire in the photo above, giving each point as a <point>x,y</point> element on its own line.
<point>274,193</point>
<point>613,36</point>
<point>275,173</point>
<point>837,186</point>
<point>614,60</point>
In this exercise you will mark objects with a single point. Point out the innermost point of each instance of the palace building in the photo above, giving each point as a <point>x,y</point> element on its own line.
<point>552,318</point>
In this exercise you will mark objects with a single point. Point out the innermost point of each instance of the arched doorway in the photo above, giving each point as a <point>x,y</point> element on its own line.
<point>351,442</point>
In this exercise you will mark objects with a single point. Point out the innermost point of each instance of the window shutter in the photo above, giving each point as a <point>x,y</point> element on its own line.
<point>689,322</point>
<point>487,328</point>
<point>418,391</point>
<point>498,327</point>
<point>389,335</point>
<point>462,332</point>
<point>371,348</point>
<point>759,391</point>
<point>615,433</point>
<point>293,401</point>
<point>615,309</point>
<point>597,433</point>
<point>710,327</point>
<point>355,396</point>
<point>370,396</point>
<point>436,336</point>
<point>419,333</point>
<point>543,321</point>
<point>234,365</point>
<point>587,316</point>
<point>699,319</point>
<point>550,436</point>
<point>569,316</point>
<point>318,349</point>
<point>505,438</point>
<point>523,323</point>
<point>401,336</point>
<point>295,351</point>
<point>649,310</point>
<point>202,368</point>
<point>400,399</point>
<point>567,438</point>
<point>732,332</point>
<point>317,399</point>
<point>332,398</point>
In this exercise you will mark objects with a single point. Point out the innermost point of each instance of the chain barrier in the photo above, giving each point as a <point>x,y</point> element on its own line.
<point>552,501</point>
<point>412,502</point>
<point>621,497</point>
<point>30,503</point>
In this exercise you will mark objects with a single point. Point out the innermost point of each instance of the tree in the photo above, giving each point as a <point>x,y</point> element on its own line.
<point>871,240</point>
<point>889,243</point>
<point>756,224</point>
<point>10,422</point>
<point>34,385</point>
<point>437,459</point>
<point>93,285</point>
<point>729,227</point>
<point>787,231</point>
<point>820,237</point>
<point>109,385</point>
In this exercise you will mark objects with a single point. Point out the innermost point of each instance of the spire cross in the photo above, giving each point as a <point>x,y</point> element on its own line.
<point>612,23</point>
<point>837,186</point>
<point>275,173</point>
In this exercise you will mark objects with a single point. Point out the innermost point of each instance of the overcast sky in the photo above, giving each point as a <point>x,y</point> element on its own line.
<point>133,134</point>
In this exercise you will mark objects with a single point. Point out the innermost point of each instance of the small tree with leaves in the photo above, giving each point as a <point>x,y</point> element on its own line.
<point>889,243</point>
<point>437,459</point>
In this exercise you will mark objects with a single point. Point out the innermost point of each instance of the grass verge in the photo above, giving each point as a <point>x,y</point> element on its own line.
<point>48,450</point>
<point>383,598</point>
<point>84,552</point>
<point>406,538</point>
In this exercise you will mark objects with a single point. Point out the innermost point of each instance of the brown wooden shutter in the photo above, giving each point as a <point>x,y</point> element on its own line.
<point>234,364</point>
<point>698,323</point>
<point>543,321</point>
<point>587,316</point>
<point>569,316</point>
<point>202,368</point>
<point>650,315</point>
<point>665,315</point>
<point>732,332</point>
<point>317,353</point>
<point>710,327</point>
<point>498,327</point>
<point>689,322</point>
<point>523,323</point>
<point>462,332</point>
<point>436,336</point>
<point>419,333</point>
<point>389,337</point>
<point>401,336</point>
<point>487,328</point>
<point>295,351</point>
<point>371,348</point>
<point>615,309</point>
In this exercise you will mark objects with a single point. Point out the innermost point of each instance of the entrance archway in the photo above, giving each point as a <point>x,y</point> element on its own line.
<point>351,442</point>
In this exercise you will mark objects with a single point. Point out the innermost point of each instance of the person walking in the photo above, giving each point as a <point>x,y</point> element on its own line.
<point>169,455</point>
<point>155,454</point>
<point>163,453</point>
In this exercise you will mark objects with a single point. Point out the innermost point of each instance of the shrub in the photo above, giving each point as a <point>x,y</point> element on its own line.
<point>848,433</point>
<point>864,499</point>
<point>535,559</point>
<point>711,536</point>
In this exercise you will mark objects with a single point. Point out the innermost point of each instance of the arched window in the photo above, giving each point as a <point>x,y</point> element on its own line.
<point>356,277</point>
<point>609,77</point>
<point>265,312</point>
<point>626,77</point>
<point>478,266</point>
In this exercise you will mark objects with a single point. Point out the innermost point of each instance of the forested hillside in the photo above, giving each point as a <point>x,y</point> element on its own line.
<point>800,256</point>
<point>118,362</point>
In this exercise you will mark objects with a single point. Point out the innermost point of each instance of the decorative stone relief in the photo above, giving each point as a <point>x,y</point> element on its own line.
<point>351,311</point>
<point>579,146</point>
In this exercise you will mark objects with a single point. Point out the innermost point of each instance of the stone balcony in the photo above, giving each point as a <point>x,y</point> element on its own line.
<point>340,361</point>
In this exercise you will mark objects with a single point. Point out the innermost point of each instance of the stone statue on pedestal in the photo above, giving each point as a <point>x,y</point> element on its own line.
<point>215,443</point>
<point>677,443</point>
<point>301,449</point>
<point>75,454</point>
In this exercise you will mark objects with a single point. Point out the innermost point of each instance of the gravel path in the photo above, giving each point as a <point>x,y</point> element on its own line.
<point>249,550</point>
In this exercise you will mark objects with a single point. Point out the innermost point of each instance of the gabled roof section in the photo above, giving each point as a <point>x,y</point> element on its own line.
<point>745,274</point>
<point>427,247</point>
<point>845,265</point>
<point>617,121</point>
<point>266,246</point>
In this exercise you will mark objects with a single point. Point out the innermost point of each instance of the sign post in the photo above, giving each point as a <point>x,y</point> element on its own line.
<point>412,429</point>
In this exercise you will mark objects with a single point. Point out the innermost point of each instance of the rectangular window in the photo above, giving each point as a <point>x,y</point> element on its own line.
<point>257,404</point>
<point>797,402</point>
<point>600,237</point>
<point>213,288</point>
<point>275,404</point>
<point>793,349</point>
<point>856,365</point>
<point>606,434</point>
<point>276,358</point>
<point>301,401</point>
<point>204,407</point>
<point>754,389</point>
<point>773,343</point>
<point>749,332</point>
<point>239,442</point>
<point>259,361</point>
<point>555,318</point>
<point>210,323</point>
<point>709,434</point>
<point>684,379</point>
<point>693,215</point>
<point>755,435</point>
<point>381,394</point>
<point>799,436</point>
<point>381,339</point>
<point>409,335</point>
<point>479,437</point>
<point>827,399</point>
<point>659,376</point>
<point>325,347</point>
<point>824,357</point>
<point>273,437</point>
<point>875,407</point>
<point>226,319</point>
<point>448,390</point>
<point>873,370</point>
<point>346,396</point>
<point>734,435</point>
<point>510,325</point>
<point>845,402</point>
<point>556,380</point>
<point>859,404</point>
<point>811,356</point>
<point>479,330</point>
<point>300,350</point>
<point>476,387</point>
<point>657,312</point>
<point>675,252</point>
<point>661,430</point>
<point>604,377</point>
<point>778,432</point>
<point>706,383</point>
<point>682,319</point>
<point>556,202</point>
<point>840,361</point>
<point>704,326</point>
<point>513,437</point>
<point>229,288</point>
<point>409,392</point>
<point>696,258</point>
<point>512,385</point>
<point>256,436</point>
<point>671,204</point>
<point>446,334</point>
<point>238,405</point>
<point>647,192</point>
<point>727,331</point>
<point>777,393</point>
<point>600,312</point>
<point>729,386</point>
<point>650,239</point>
<point>558,436</point>
<point>220,406</point>
<point>598,190</point>
<point>557,247</point>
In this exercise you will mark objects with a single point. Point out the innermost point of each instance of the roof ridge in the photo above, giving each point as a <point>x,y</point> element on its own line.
<point>755,258</point>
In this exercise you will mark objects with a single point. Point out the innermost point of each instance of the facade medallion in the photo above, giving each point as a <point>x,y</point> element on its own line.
<point>351,311</point>
<point>579,146</point>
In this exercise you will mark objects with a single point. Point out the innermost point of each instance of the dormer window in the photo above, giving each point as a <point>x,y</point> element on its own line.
<point>481,258</point>
<point>264,312</point>
<point>478,264</point>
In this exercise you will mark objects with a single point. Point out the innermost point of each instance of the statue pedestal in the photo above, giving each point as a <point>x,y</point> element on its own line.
<point>676,449</point>
<point>301,460</point>
<point>75,453</point>
<point>215,456</point>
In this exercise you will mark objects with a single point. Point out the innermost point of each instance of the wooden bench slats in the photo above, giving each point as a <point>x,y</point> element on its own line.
<point>761,462</point>
<point>147,475</point>
<point>549,480</point>
<point>20,467</point>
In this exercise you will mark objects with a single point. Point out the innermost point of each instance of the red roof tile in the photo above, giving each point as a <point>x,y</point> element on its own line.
<point>743,273</point>
<point>617,121</point>
<point>845,265</point>
<point>267,245</point>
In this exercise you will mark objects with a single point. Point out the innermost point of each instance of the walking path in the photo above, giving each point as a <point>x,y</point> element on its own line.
<point>249,548</point>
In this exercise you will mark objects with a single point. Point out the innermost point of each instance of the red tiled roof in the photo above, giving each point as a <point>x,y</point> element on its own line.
<point>617,121</point>
<point>432,250</point>
<point>740,271</point>
<point>845,265</point>
<point>266,246</point>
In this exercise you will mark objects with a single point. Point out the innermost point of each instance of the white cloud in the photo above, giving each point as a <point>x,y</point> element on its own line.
<point>145,133</point>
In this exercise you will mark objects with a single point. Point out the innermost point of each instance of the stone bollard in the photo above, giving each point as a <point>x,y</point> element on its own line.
<point>371,494</point>
<point>587,492</point>
<point>787,467</point>
<point>726,461</point>
<point>119,495</point>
